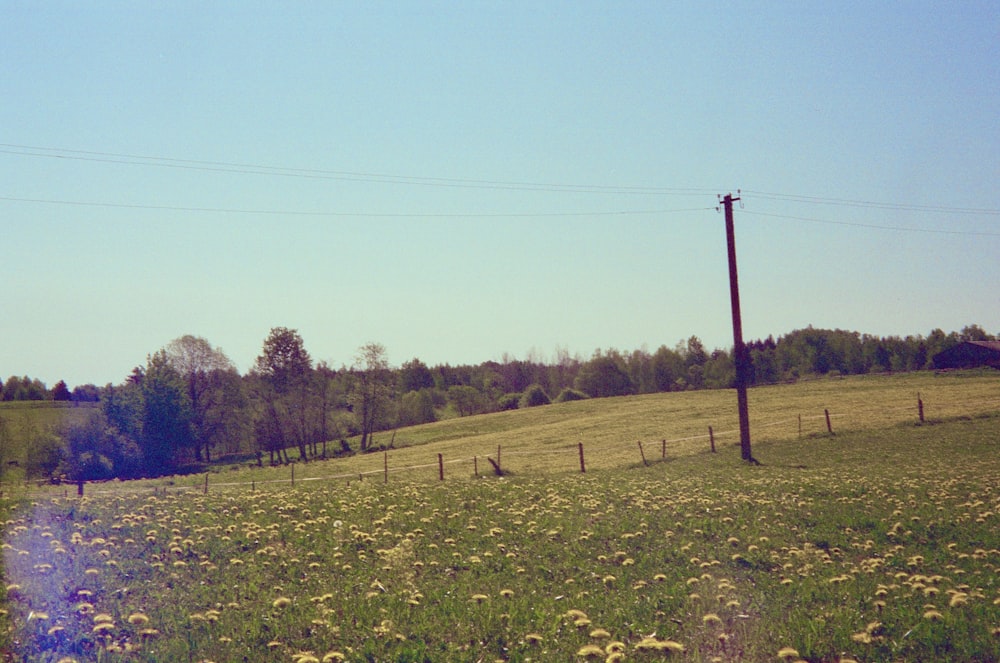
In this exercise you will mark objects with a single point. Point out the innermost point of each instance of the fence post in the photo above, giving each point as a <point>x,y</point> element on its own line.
<point>829,428</point>
<point>475,465</point>
<point>206,483</point>
<point>920,407</point>
<point>293,475</point>
<point>663,451</point>
<point>79,488</point>
<point>385,466</point>
<point>642,453</point>
<point>440,467</point>
<point>711,438</point>
<point>583,468</point>
<point>499,466</point>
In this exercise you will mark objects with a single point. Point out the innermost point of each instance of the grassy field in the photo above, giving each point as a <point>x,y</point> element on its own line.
<point>544,440</point>
<point>880,543</point>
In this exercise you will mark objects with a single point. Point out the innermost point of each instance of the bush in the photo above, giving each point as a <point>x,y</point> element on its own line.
<point>45,456</point>
<point>509,401</point>
<point>534,395</point>
<point>568,394</point>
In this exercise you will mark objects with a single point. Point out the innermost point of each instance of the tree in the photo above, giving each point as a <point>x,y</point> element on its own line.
<point>86,393</point>
<point>414,376</point>
<point>210,377</point>
<point>167,415</point>
<point>61,392</point>
<point>285,371</point>
<point>467,400</point>
<point>604,375</point>
<point>372,389</point>
<point>284,361</point>
<point>417,407</point>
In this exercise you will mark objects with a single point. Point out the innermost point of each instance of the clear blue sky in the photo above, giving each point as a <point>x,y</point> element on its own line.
<point>462,180</point>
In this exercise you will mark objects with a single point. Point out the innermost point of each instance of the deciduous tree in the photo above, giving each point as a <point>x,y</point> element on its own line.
<point>372,389</point>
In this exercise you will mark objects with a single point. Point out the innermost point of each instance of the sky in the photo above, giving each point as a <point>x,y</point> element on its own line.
<point>474,181</point>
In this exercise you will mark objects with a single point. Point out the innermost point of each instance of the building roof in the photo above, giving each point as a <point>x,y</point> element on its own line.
<point>969,354</point>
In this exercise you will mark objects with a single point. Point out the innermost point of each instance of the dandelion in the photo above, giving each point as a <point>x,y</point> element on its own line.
<point>711,618</point>
<point>590,651</point>
<point>615,647</point>
<point>648,644</point>
<point>533,638</point>
<point>305,657</point>
<point>138,619</point>
<point>933,616</point>
<point>102,627</point>
<point>600,634</point>
<point>55,630</point>
<point>479,598</point>
<point>787,653</point>
<point>507,593</point>
<point>281,602</point>
<point>333,657</point>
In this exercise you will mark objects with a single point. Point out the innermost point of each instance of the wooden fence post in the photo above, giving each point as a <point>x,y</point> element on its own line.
<point>663,451</point>
<point>440,467</point>
<point>475,465</point>
<point>206,483</point>
<point>79,488</point>
<point>499,470</point>
<point>711,438</point>
<point>583,468</point>
<point>829,428</point>
<point>293,475</point>
<point>920,407</point>
<point>642,453</point>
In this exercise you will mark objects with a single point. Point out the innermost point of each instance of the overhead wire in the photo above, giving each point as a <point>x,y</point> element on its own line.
<point>874,226</point>
<point>352,176</point>
<point>405,215</point>
<point>385,178</point>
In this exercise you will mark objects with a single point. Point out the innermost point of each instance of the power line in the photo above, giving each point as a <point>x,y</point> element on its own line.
<point>844,202</point>
<point>874,225</point>
<point>350,176</point>
<point>404,215</point>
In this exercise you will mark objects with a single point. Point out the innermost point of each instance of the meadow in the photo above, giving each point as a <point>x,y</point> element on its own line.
<point>877,543</point>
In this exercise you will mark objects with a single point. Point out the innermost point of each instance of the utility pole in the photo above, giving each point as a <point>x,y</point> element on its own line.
<point>739,350</point>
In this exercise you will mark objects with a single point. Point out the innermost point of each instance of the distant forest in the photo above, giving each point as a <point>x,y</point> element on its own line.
<point>188,405</point>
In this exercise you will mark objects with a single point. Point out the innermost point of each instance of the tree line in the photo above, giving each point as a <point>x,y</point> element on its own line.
<point>188,406</point>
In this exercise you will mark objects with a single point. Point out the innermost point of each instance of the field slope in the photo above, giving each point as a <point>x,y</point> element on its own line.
<point>879,543</point>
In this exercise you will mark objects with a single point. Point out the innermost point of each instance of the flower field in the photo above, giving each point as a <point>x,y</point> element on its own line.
<point>873,545</point>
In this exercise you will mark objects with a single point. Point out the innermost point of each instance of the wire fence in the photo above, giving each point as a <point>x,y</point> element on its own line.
<point>569,457</point>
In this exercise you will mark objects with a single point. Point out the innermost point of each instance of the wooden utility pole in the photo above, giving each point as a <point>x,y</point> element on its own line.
<point>740,357</point>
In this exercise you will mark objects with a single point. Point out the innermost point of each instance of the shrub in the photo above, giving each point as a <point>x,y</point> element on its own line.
<point>534,395</point>
<point>509,401</point>
<point>568,394</point>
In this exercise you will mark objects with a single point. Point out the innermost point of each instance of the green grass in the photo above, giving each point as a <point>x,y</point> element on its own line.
<point>880,543</point>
